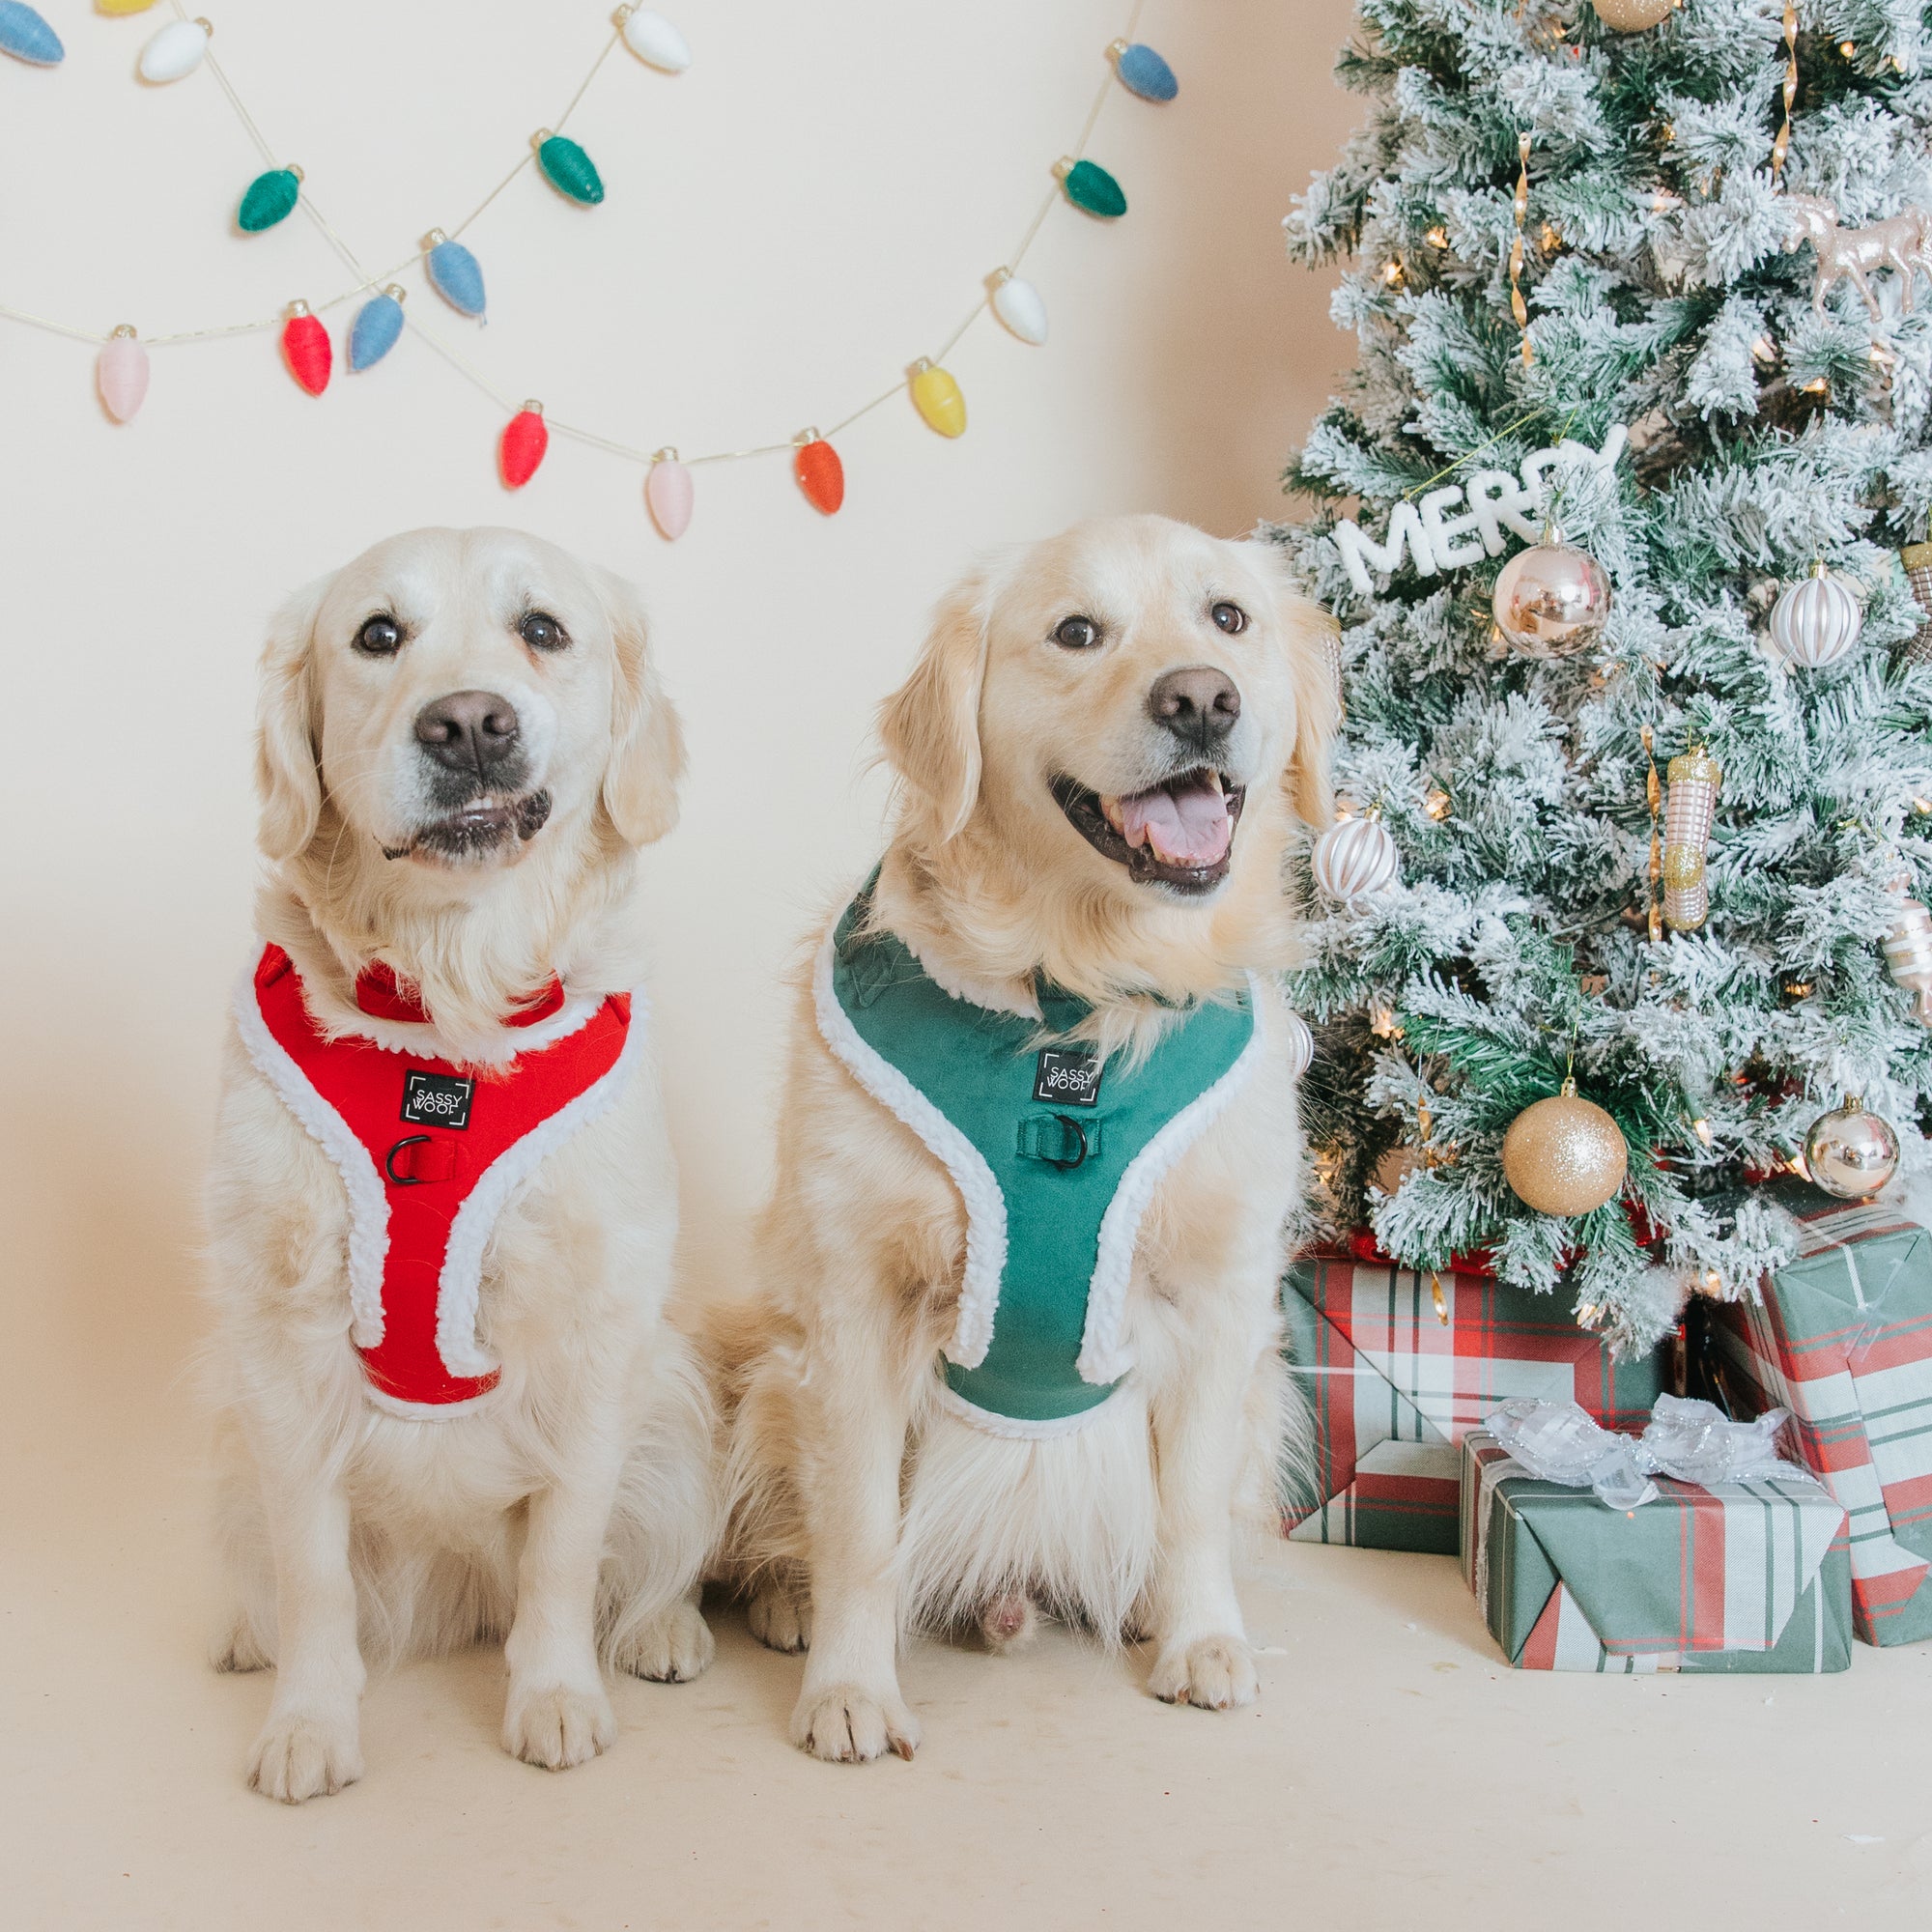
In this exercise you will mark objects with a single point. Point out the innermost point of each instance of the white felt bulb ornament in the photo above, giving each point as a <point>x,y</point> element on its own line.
<point>1355,860</point>
<point>175,51</point>
<point>1816,622</point>
<point>655,40</point>
<point>1018,305</point>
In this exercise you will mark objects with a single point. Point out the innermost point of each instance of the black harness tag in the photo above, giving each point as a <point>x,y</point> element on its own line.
<point>1067,1077</point>
<point>436,1100</point>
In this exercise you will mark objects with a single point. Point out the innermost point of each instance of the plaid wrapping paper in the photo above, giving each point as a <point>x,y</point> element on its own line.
<point>1741,1577</point>
<point>1393,1388</point>
<point>1843,1339</point>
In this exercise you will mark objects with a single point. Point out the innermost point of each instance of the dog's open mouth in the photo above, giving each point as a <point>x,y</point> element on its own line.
<point>475,830</point>
<point>1179,834</point>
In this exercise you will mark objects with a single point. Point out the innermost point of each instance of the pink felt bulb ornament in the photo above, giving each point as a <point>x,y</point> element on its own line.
<point>669,495</point>
<point>121,374</point>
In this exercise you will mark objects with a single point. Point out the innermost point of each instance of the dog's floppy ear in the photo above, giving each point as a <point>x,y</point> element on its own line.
<point>1313,639</point>
<point>646,742</point>
<point>930,724</point>
<point>288,775</point>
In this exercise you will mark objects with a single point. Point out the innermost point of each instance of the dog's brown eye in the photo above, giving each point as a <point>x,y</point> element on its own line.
<point>381,637</point>
<point>542,631</point>
<point>1076,633</point>
<point>1231,617</point>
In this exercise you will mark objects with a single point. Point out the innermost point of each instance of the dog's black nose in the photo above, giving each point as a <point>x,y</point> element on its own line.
<point>468,731</point>
<point>1199,705</point>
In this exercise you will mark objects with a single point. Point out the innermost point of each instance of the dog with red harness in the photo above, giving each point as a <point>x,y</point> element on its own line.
<point>443,1205</point>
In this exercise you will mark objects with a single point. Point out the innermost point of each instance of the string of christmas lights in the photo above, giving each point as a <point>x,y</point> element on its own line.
<point>184,46</point>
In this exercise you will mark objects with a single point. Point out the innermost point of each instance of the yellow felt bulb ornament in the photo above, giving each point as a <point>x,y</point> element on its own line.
<point>936,396</point>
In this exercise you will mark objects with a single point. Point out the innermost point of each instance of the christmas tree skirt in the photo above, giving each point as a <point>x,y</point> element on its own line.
<point>1843,1339</point>
<point>1741,1577</point>
<point>1393,1385</point>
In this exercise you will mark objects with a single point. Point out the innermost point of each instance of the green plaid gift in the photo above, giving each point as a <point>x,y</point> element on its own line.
<point>1395,1379</point>
<point>1741,1577</point>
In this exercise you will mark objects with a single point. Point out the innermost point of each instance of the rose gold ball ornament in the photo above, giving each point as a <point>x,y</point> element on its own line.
<point>1850,1152</point>
<point>1565,1155</point>
<point>1552,598</point>
<point>1632,17</point>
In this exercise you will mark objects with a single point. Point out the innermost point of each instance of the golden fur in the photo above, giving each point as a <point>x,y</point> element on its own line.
<point>572,1513</point>
<point>863,1508</point>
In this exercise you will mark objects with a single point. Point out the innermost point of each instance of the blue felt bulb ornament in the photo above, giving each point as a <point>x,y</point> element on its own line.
<point>454,273</point>
<point>1143,72</point>
<point>378,322</point>
<point>27,37</point>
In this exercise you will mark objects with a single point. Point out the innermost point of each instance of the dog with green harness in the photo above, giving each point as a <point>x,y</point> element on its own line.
<point>1019,1346</point>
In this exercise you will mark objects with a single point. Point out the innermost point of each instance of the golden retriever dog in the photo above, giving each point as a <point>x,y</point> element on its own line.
<point>443,1200</point>
<point>1102,754</point>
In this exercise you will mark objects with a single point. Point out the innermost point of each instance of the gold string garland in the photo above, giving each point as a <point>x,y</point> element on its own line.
<point>1781,146</point>
<point>1519,308</point>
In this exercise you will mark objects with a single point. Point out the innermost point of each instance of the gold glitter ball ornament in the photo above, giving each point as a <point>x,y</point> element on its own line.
<point>1850,1152</point>
<point>1632,17</point>
<point>1565,1155</point>
<point>1551,598</point>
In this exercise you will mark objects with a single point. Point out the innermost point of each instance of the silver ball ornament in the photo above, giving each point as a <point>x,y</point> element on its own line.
<point>1551,598</point>
<point>1816,622</point>
<point>1355,860</point>
<point>1850,1152</point>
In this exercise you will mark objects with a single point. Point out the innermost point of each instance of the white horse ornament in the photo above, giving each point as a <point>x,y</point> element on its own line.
<point>1854,254</point>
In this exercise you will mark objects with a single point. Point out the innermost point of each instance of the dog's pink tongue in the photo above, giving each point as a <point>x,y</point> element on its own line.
<point>1190,829</point>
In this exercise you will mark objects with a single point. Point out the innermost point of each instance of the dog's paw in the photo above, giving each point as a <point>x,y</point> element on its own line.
<point>670,1649</point>
<point>558,1727</point>
<point>779,1616</point>
<point>848,1726</point>
<point>1215,1672</point>
<point>235,1647</point>
<point>302,1756</point>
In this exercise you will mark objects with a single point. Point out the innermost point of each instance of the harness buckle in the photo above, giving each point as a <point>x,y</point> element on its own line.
<point>1080,1135</point>
<point>389,1162</point>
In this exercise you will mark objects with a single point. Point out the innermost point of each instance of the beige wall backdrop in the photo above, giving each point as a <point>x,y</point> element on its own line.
<point>788,225</point>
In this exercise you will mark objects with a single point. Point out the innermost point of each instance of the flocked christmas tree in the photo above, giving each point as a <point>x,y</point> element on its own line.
<point>1649,252</point>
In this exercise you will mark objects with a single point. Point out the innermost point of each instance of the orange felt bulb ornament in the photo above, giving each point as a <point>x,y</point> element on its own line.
<point>523,442</point>
<point>305,349</point>
<point>820,474</point>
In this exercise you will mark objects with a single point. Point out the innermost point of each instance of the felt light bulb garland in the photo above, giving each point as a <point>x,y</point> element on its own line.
<point>175,52</point>
<point>669,494</point>
<point>121,374</point>
<point>819,472</point>
<point>568,168</point>
<point>654,40</point>
<point>1143,72</point>
<point>118,9</point>
<point>271,198</point>
<point>1090,188</point>
<point>26,35</point>
<point>522,446</point>
<point>307,350</point>
<point>936,396</point>
<point>1019,306</point>
<point>454,273</point>
<point>377,329</point>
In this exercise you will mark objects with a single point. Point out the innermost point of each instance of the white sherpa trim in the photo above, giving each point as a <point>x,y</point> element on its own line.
<point>368,1202</point>
<point>1013,1426</point>
<point>460,1287</point>
<point>978,1191</point>
<point>421,1041</point>
<point>1104,1356</point>
<point>425,1412</point>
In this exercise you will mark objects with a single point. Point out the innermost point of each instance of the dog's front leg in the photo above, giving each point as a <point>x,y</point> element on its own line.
<point>310,1744</point>
<point>850,1709</point>
<point>559,1712</point>
<point>1203,1656</point>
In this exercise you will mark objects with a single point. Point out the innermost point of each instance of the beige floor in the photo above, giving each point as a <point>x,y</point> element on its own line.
<point>1394,1775</point>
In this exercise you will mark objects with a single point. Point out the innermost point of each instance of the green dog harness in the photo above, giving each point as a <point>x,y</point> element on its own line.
<point>1055,1154</point>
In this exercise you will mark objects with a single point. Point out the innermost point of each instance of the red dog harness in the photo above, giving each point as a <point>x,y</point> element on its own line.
<point>429,1153</point>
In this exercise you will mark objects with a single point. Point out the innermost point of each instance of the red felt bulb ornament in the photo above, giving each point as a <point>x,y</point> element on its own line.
<point>305,349</point>
<point>524,442</point>
<point>820,474</point>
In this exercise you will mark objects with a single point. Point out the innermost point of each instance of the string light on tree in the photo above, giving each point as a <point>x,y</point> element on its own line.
<point>1565,1155</point>
<point>1850,1152</point>
<point>568,168</point>
<point>271,198</point>
<point>522,447</point>
<point>377,325</point>
<point>175,52</point>
<point>1815,622</point>
<point>1020,307</point>
<point>121,374</point>
<point>454,273</point>
<point>820,474</point>
<point>669,494</point>
<point>936,396</point>
<point>1090,188</point>
<point>26,35</point>
<point>1142,70</point>
<point>653,40</point>
<point>307,350</point>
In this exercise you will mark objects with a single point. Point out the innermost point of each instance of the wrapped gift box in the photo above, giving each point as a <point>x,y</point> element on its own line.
<point>1741,1577</point>
<point>1843,1338</point>
<point>1394,1383</point>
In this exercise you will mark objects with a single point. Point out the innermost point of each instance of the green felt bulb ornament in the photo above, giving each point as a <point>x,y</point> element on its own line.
<point>271,198</point>
<point>1088,186</point>
<point>569,169</point>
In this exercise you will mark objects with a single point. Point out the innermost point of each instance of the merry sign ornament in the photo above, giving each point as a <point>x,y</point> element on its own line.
<point>1435,534</point>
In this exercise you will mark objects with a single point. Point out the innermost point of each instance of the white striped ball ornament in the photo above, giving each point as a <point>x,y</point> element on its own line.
<point>1816,622</point>
<point>1300,1045</point>
<point>1355,860</point>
